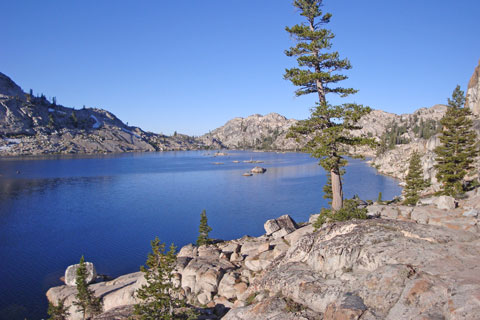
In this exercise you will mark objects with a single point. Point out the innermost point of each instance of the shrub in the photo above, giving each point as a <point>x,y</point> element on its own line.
<point>350,210</point>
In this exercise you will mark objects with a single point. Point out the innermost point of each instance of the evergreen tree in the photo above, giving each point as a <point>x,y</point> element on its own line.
<point>86,301</point>
<point>456,155</point>
<point>157,296</point>
<point>379,198</point>
<point>203,230</point>
<point>51,121</point>
<point>73,119</point>
<point>327,129</point>
<point>59,311</point>
<point>415,181</point>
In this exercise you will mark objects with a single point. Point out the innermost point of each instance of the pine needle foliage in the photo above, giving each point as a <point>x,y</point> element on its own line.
<point>203,230</point>
<point>327,129</point>
<point>415,183</point>
<point>350,210</point>
<point>157,297</point>
<point>58,311</point>
<point>85,299</point>
<point>459,148</point>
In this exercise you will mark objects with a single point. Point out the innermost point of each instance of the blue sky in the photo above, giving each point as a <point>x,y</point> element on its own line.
<point>192,65</point>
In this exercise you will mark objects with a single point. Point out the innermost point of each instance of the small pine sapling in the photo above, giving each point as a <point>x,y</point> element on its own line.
<point>203,230</point>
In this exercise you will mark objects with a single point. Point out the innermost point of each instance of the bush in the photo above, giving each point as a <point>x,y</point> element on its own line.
<point>350,210</point>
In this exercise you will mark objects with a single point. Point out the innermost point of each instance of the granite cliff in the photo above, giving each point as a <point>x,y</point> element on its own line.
<point>253,132</point>
<point>32,125</point>
<point>473,91</point>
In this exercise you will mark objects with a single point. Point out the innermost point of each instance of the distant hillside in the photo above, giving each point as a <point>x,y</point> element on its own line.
<point>32,125</point>
<point>254,132</point>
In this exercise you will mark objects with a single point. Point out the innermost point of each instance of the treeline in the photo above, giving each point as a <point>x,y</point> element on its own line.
<point>397,134</point>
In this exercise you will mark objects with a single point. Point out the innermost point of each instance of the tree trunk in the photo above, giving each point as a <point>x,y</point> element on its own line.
<point>337,191</point>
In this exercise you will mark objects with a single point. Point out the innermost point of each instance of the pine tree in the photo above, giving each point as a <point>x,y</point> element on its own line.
<point>59,311</point>
<point>415,181</point>
<point>51,121</point>
<point>73,119</point>
<point>157,296</point>
<point>85,299</point>
<point>203,230</point>
<point>327,129</point>
<point>379,198</point>
<point>456,154</point>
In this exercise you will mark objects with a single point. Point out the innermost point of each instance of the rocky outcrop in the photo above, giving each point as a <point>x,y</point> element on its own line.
<point>254,132</point>
<point>403,263</point>
<point>473,92</point>
<point>32,125</point>
<point>71,274</point>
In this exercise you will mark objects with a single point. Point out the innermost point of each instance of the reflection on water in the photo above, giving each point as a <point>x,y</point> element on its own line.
<point>108,208</point>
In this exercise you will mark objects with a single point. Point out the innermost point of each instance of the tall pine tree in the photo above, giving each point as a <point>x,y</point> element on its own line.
<point>456,154</point>
<point>85,299</point>
<point>327,129</point>
<point>157,297</point>
<point>203,230</point>
<point>415,181</point>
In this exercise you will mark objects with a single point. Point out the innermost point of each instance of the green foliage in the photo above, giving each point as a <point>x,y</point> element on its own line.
<point>456,155</point>
<point>392,137</point>
<point>203,230</point>
<point>157,297</point>
<point>73,119</point>
<point>427,129</point>
<point>379,199</point>
<point>327,129</point>
<point>51,121</point>
<point>415,181</point>
<point>59,311</point>
<point>85,299</point>
<point>251,298</point>
<point>350,210</point>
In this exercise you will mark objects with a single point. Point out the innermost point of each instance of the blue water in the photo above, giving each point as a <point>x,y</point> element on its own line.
<point>108,208</point>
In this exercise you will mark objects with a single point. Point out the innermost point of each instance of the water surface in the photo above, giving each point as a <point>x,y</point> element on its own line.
<point>108,208</point>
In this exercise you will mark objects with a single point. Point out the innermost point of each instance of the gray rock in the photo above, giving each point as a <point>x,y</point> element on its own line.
<point>471,213</point>
<point>258,170</point>
<point>313,218</point>
<point>271,226</point>
<point>71,274</point>
<point>473,92</point>
<point>445,202</point>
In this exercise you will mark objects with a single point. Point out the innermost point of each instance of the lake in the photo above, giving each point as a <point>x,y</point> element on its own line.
<point>55,209</point>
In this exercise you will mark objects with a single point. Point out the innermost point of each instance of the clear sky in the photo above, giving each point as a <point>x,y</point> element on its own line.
<point>192,65</point>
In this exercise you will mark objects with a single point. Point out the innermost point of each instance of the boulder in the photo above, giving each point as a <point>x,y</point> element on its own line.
<point>189,251</point>
<point>445,202</point>
<point>283,222</point>
<point>271,226</point>
<point>258,170</point>
<point>71,274</point>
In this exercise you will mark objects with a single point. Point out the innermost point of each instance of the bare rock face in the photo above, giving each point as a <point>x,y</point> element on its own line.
<point>71,274</point>
<point>8,88</point>
<point>254,132</point>
<point>32,125</point>
<point>473,92</point>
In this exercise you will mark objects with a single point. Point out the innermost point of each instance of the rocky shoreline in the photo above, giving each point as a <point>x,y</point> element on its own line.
<point>402,263</point>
